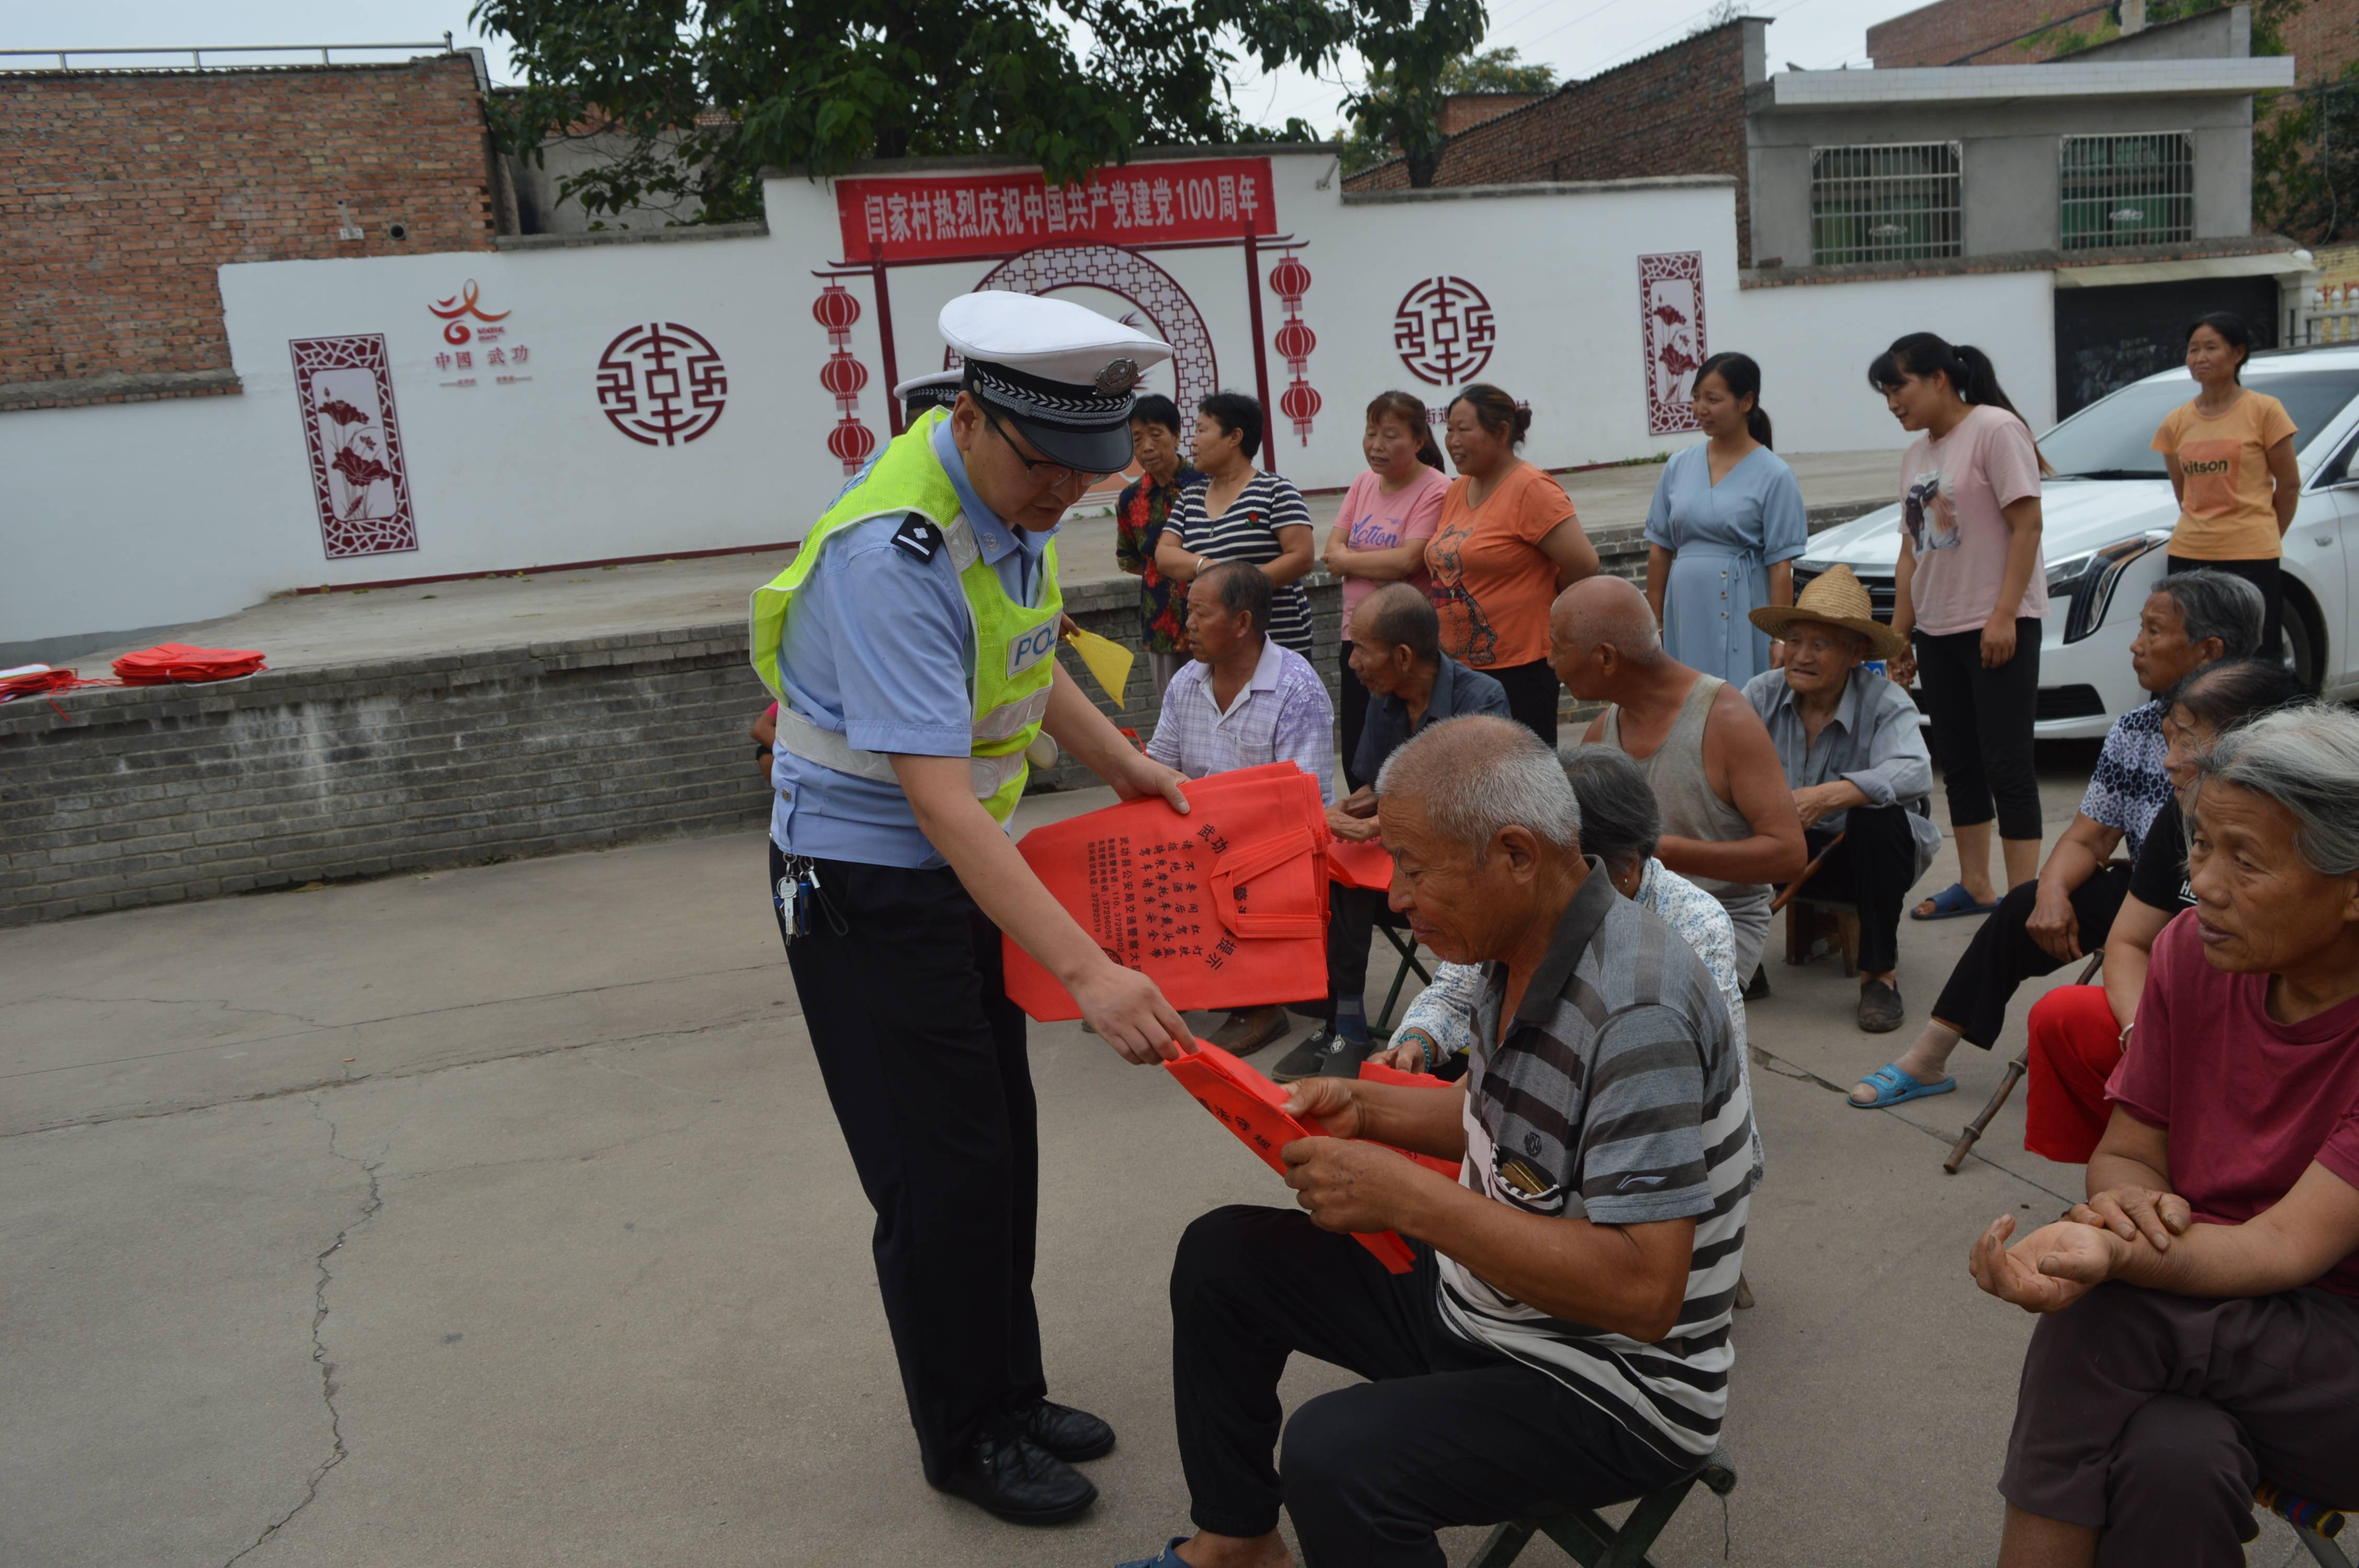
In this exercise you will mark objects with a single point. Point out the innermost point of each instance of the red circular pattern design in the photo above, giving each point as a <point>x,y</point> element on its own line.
<point>662,384</point>
<point>1444,332</point>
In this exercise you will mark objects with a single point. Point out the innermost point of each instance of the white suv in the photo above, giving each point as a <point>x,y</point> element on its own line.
<point>2107,515</point>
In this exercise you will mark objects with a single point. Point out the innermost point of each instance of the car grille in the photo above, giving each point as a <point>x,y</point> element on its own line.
<point>1881,593</point>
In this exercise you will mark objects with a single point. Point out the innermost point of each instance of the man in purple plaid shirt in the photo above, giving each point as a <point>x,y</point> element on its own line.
<point>1243,702</point>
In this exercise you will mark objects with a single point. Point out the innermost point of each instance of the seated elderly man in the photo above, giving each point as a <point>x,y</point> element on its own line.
<point>1241,702</point>
<point>2203,1304</point>
<point>1396,643</point>
<point>1563,1337</point>
<point>1728,818</point>
<point>2190,620</point>
<point>1857,765</point>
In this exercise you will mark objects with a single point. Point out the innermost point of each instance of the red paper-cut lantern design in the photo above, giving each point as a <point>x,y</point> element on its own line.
<point>1295,340</point>
<point>850,441</point>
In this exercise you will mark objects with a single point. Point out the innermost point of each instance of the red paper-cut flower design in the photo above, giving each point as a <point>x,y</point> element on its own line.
<point>342,413</point>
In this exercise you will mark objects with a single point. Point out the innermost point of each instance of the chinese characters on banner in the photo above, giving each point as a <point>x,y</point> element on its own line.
<point>943,217</point>
<point>1671,325</point>
<point>477,340</point>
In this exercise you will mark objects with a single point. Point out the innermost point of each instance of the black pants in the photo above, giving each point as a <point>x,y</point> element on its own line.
<point>1351,926</point>
<point>1354,715</point>
<point>2268,576</point>
<point>1873,868</point>
<point>1446,1432</point>
<point>924,1060</point>
<point>1981,726</point>
<point>2149,1416</point>
<point>2002,954</point>
<point>1533,693</point>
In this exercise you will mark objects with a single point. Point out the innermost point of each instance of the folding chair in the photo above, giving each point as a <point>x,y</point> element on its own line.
<point>1594,1543</point>
<point>2015,1075</point>
<point>2315,1523</point>
<point>1395,932</point>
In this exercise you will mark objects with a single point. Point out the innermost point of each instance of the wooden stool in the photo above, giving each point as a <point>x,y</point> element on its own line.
<point>1810,920</point>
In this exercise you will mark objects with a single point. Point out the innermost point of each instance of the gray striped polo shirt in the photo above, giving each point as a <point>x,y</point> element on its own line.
<point>1615,1096</point>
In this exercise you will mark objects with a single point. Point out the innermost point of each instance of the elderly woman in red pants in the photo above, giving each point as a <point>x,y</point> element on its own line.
<point>2201,1309</point>
<point>2078,1033</point>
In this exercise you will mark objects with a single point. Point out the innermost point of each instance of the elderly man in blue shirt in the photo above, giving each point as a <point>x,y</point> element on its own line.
<point>1856,762</point>
<point>911,645</point>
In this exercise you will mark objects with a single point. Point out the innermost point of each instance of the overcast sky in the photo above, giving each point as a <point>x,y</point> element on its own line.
<point>1579,38</point>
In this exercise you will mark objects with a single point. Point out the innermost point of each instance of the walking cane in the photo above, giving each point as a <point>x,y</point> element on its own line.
<point>1787,897</point>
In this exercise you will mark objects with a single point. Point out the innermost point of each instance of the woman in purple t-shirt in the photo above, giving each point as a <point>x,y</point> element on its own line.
<point>1973,589</point>
<point>1380,535</point>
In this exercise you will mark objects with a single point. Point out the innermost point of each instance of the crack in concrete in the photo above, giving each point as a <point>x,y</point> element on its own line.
<point>337,1451</point>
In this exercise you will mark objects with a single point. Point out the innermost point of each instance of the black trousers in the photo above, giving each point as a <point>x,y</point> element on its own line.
<point>1533,694</point>
<point>924,1059</point>
<point>2268,576</point>
<point>1873,868</point>
<point>1446,1431</point>
<point>2002,954</point>
<point>1981,726</point>
<point>2149,1416</point>
<point>1354,715</point>
<point>1351,927</point>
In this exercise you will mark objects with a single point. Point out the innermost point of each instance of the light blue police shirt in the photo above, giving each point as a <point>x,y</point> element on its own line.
<point>878,646</point>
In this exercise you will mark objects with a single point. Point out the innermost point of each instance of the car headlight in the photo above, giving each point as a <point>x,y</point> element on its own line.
<point>2089,579</point>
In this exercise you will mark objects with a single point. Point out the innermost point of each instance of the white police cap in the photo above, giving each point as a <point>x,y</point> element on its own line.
<point>920,393</point>
<point>1060,372</point>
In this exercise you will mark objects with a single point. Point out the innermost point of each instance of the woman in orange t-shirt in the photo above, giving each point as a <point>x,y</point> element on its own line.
<point>1507,542</point>
<point>2230,453</point>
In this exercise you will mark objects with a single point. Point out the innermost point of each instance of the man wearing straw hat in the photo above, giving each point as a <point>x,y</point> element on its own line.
<point>1856,762</point>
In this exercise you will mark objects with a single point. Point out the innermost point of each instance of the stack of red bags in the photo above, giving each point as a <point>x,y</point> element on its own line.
<point>179,662</point>
<point>30,680</point>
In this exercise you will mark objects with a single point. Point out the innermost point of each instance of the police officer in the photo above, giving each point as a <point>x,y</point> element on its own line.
<point>920,393</point>
<point>911,645</point>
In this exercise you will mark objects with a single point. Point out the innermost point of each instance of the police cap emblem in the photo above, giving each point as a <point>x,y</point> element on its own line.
<point>1118,378</point>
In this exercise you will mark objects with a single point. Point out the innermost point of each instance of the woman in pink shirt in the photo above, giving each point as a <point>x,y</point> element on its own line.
<point>1380,535</point>
<point>1974,590</point>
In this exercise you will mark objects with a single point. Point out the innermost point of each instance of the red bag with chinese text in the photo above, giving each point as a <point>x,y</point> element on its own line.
<point>1225,908</point>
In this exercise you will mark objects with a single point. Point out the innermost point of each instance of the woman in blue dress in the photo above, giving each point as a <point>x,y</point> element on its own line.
<point>1722,532</point>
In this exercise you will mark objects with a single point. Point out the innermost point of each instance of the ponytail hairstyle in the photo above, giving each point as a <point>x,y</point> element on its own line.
<point>1409,409</point>
<point>2233,331</point>
<point>1743,378</point>
<point>1970,372</point>
<point>1496,412</point>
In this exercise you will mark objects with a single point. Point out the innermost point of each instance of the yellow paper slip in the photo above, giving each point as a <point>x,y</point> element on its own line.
<point>1108,659</point>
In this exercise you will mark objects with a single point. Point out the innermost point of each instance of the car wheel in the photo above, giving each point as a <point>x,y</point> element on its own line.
<point>2298,640</point>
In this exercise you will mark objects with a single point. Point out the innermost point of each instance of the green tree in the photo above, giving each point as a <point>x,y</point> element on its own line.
<point>1384,107</point>
<point>2069,37</point>
<point>687,101</point>
<point>2306,161</point>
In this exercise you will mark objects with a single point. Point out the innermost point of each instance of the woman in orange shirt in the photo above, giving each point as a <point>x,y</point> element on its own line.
<point>1507,542</point>
<point>2230,453</point>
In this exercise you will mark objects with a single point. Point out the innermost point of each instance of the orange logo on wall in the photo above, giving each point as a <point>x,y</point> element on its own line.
<point>461,304</point>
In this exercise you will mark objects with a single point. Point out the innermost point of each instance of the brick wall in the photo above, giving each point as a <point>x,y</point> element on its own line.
<point>1677,111</point>
<point>2322,38</point>
<point>1941,34</point>
<point>122,192</point>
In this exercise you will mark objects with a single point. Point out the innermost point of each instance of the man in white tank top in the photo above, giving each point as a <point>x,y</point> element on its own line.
<point>1729,823</point>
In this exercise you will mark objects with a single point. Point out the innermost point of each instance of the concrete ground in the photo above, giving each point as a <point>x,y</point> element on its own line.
<point>307,630</point>
<point>497,1216</point>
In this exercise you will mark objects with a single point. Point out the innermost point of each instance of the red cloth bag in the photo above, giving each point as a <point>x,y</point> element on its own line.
<point>1226,907</point>
<point>179,662</point>
<point>1362,864</point>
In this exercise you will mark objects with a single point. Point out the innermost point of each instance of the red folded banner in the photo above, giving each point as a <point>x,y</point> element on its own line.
<point>1250,1105</point>
<point>1366,864</point>
<point>1225,908</point>
<point>179,662</point>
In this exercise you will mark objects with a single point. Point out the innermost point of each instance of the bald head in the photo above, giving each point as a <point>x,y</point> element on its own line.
<point>1602,629</point>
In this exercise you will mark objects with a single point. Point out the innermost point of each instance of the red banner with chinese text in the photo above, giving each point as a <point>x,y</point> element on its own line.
<point>943,217</point>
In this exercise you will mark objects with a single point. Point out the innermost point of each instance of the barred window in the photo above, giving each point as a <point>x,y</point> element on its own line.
<point>1886,203</point>
<point>2128,191</point>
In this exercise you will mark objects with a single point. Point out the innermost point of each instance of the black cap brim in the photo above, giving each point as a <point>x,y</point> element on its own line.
<point>1083,452</point>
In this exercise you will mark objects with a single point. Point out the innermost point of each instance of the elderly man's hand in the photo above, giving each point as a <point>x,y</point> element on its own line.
<point>1332,1103</point>
<point>1815,801</point>
<point>2130,1212</point>
<point>1351,829</point>
<point>2051,1269</point>
<point>1347,1187</point>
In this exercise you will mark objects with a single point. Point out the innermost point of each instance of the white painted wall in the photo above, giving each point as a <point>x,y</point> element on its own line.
<point>138,515</point>
<point>1815,341</point>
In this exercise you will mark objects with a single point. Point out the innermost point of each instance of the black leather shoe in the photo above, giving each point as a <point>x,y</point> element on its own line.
<point>1069,1435</point>
<point>1013,1477</point>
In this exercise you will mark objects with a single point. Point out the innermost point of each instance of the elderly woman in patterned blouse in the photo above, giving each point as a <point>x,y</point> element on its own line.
<point>1619,824</point>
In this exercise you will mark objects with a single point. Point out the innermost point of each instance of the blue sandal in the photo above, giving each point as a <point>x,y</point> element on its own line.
<point>1168,1557</point>
<point>1894,1087</point>
<point>1952,902</point>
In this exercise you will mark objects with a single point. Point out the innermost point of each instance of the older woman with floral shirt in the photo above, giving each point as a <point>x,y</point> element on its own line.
<point>1140,516</point>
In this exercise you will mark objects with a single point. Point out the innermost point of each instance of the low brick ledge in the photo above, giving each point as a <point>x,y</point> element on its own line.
<point>118,387</point>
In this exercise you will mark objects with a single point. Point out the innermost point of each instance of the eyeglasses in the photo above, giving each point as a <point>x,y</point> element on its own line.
<point>1052,475</point>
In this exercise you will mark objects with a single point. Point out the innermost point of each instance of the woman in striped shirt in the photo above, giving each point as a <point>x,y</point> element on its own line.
<point>1236,512</point>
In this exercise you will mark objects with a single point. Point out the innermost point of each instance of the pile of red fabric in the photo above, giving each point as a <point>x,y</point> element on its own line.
<point>34,680</point>
<point>179,662</point>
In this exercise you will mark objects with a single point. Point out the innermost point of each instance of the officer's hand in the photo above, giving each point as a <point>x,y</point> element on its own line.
<point>1128,1012</point>
<point>1143,776</point>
